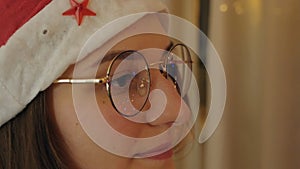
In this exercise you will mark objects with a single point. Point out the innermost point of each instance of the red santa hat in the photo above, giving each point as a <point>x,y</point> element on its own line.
<point>40,38</point>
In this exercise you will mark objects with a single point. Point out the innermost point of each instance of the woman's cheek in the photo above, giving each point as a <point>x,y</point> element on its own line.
<point>116,121</point>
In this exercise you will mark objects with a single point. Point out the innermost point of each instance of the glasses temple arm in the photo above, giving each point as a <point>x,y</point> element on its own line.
<point>82,81</point>
<point>177,61</point>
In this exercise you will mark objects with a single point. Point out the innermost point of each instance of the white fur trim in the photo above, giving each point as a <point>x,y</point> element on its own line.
<point>30,61</point>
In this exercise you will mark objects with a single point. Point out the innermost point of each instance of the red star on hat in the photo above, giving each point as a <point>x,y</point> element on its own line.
<point>79,10</point>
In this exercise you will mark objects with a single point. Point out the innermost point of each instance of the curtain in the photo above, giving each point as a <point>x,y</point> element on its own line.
<point>259,44</point>
<point>189,157</point>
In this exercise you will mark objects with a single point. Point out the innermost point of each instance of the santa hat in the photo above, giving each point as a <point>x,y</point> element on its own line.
<point>39,40</point>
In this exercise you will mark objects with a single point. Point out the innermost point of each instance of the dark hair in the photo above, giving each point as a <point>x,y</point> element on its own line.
<point>32,140</point>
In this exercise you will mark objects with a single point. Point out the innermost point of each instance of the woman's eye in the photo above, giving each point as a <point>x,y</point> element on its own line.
<point>171,69</point>
<point>123,80</point>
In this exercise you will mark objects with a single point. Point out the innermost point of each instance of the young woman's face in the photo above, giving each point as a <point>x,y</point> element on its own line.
<point>82,148</point>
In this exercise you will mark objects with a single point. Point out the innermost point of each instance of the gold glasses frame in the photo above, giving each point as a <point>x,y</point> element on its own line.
<point>167,59</point>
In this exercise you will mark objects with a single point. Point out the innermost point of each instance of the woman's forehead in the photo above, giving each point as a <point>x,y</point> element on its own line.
<point>122,42</point>
<point>143,43</point>
<point>136,36</point>
<point>150,45</point>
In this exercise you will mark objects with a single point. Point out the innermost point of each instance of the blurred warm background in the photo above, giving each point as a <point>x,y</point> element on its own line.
<point>259,44</point>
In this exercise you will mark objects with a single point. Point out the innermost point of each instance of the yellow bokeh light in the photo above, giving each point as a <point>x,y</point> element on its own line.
<point>224,7</point>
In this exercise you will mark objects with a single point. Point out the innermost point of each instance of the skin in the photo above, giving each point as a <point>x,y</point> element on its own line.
<point>83,150</point>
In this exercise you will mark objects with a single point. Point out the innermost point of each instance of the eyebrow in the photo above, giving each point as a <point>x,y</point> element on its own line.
<point>112,54</point>
<point>107,57</point>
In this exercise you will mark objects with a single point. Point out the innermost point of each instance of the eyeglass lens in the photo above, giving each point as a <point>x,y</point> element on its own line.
<point>129,75</point>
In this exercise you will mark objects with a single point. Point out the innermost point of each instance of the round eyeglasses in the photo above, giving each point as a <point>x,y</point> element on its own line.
<point>128,78</point>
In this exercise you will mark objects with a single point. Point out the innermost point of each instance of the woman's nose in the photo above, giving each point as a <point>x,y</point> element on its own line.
<point>175,111</point>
